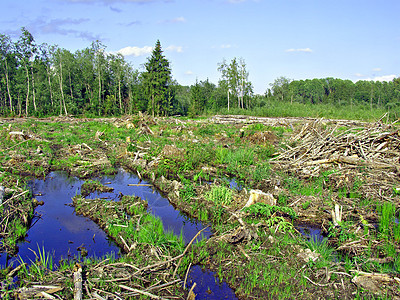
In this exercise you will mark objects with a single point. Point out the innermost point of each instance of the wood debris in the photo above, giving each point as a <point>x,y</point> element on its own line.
<point>370,152</point>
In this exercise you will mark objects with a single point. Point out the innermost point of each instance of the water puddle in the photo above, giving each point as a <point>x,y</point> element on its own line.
<point>59,231</point>
<point>129,184</point>
<point>56,228</point>
<point>311,232</point>
<point>208,286</point>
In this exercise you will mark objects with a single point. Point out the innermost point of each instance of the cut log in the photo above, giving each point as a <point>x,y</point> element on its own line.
<point>78,282</point>
<point>257,196</point>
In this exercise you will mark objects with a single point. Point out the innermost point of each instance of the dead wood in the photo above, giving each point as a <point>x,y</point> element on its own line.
<point>78,282</point>
<point>370,152</point>
<point>140,292</point>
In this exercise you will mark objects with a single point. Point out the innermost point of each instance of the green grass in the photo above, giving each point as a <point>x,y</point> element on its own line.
<point>219,195</point>
<point>276,108</point>
<point>387,225</point>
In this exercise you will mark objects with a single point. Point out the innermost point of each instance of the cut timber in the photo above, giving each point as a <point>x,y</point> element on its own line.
<point>375,283</point>
<point>18,135</point>
<point>78,282</point>
<point>257,196</point>
<point>146,129</point>
<point>337,215</point>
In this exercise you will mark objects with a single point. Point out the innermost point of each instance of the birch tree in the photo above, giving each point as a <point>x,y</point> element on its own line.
<point>235,80</point>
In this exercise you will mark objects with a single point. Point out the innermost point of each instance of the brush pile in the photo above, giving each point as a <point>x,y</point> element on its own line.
<point>370,153</point>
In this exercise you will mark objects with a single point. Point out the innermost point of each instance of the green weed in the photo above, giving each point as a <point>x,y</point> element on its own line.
<point>219,195</point>
<point>387,219</point>
<point>306,204</point>
<point>264,210</point>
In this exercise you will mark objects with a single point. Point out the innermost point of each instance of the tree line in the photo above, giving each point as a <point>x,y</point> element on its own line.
<point>337,91</point>
<point>44,80</point>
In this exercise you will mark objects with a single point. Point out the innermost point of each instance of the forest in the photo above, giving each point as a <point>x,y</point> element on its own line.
<point>44,80</point>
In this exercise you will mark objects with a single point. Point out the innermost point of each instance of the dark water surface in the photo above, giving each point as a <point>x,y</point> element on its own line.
<point>311,232</point>
<point>158,205</point>
<point>58,230</point>
<point>207,285</point>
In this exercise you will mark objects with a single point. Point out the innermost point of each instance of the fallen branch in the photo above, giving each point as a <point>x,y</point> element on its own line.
<point>244,253</point>
<point>187,248</point>
<point>141,292</point>
<point>317,284</point>
<point>186,276</point>
<point>191,295</point>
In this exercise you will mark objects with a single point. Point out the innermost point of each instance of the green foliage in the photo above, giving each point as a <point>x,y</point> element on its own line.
<point>344,232</point>
<point>219,195</point>
<point>43,262</point>
<point>157,83</point>
<point>322,247</point>
<point>306,204</point>
<point>188,192</point>
<point>261,171</point>
<point>387,224</point>
<point>264,210</point>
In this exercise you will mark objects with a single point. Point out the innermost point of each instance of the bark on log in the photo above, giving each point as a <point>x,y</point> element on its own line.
<point>78,283</point>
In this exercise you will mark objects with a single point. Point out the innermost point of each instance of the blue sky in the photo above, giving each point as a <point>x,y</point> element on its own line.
<point>298,39</point>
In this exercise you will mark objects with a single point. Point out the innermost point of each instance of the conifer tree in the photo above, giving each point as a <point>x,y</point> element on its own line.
<point>157,83</point>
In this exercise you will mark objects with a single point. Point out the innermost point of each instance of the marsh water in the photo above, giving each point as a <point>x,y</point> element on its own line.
<point>57,230</point>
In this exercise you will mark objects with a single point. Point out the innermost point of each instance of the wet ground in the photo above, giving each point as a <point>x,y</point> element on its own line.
<point>126,183</point>
<point>208,286</point>
<point>59,231</point>
<point>56,228</point>
<point>235,248</point>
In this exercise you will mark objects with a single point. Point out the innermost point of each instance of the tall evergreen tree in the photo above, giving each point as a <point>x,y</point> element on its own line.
<point>157,82</point>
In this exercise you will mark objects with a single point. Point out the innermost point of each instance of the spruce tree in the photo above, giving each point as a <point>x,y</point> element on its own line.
<point>157,82</point>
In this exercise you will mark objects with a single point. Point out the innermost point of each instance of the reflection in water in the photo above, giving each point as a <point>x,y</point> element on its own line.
<point>60,231</point>
<point>55,226</point>
<point>158,205</point>
<point>207,286</point>
<point>311,232</point>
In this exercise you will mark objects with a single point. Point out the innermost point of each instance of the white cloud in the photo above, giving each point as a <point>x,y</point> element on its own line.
<point>179,19</point>
<point>359,75</point>
<point>308,50</point>
<point>61,27</point>
<point>377,78</point>
<point>146,50</point>
<point>135,51</point>
<point>376,69</point>
<point>172,21</point>
<point>226,46</point>
<point>189,72</point>
<point>174,48</point>
<point>385,78</point>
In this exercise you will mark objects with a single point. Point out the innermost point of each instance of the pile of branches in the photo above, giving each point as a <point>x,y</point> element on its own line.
<point>370,152</point>
<point>273,121</point>
<point>14,208</point>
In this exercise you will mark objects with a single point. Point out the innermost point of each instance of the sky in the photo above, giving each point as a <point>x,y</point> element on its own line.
<point>297,39</point>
